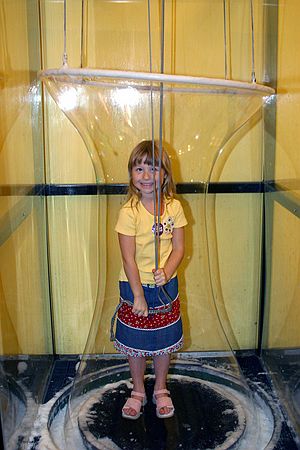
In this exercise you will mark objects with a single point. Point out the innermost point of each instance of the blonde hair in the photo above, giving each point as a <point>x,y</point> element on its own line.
<point>143,152</point>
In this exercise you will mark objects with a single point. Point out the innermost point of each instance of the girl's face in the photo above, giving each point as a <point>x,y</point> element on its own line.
<point>143,178</point>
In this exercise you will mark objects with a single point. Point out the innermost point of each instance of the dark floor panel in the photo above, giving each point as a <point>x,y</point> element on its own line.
<point>283,367</point>
<point>254,371</point>
<point>63,372</point>
<point>151,433</point>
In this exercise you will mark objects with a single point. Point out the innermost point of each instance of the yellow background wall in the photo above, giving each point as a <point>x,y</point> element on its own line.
<point>194,45</point>
<point>24,297</point>
<point>283,306</point>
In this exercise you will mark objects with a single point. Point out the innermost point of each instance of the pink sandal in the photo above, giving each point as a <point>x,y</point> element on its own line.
<point>162,402</point>
<point>135,404</point>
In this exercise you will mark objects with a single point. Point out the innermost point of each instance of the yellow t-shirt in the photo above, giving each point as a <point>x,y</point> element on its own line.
<point>137,221</point>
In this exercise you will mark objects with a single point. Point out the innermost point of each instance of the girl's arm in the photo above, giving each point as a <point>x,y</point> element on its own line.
<point>127,246</point>
<point>163,275</point>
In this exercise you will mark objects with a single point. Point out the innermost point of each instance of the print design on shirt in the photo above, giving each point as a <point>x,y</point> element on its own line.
<point>168,225</point>
<point>160,228</point>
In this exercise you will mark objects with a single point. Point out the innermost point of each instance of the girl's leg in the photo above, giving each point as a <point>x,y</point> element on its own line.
<point>137,369</point>
<point>161,368</point>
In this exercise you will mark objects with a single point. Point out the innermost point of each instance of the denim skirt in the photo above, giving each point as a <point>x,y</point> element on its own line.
<point>157,334</point>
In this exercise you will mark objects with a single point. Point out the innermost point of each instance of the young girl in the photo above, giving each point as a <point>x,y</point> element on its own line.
<point>139,334</point>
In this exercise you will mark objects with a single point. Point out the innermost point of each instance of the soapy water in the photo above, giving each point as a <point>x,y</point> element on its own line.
<point>86,427</point>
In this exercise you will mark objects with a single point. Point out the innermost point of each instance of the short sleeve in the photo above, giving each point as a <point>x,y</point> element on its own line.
<point>180,219</point>
<point>126,223</point>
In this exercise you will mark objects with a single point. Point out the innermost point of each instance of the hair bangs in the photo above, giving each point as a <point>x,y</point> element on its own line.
<point>145,156</point>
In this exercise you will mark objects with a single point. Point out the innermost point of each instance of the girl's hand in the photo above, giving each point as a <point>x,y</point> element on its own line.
<point>140,307</point>
<point>160,277</point>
